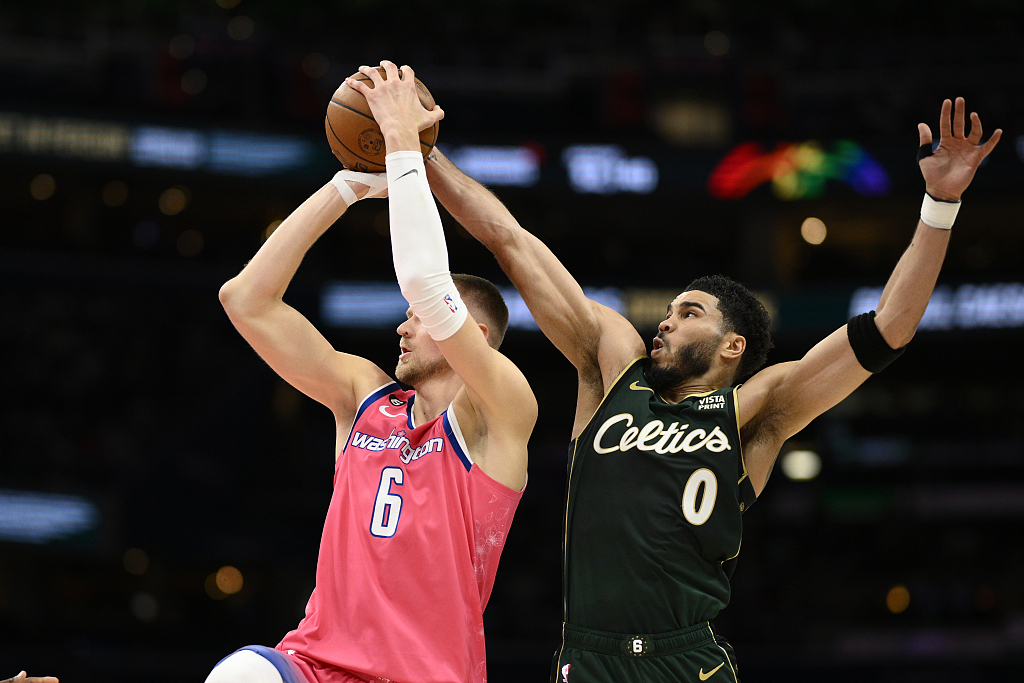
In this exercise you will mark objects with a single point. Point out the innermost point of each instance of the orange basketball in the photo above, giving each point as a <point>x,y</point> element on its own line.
<point>354,135</point>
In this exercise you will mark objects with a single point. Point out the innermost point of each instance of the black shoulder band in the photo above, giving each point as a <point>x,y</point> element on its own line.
<point>870,347</point>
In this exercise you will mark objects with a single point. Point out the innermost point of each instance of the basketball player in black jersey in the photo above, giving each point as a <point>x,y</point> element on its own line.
<point>668,450</point>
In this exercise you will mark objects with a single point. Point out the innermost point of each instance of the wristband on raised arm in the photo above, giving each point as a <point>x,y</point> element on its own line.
<point>939,213</point>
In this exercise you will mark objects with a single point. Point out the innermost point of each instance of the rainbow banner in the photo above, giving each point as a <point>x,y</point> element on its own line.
<point>797,170</point>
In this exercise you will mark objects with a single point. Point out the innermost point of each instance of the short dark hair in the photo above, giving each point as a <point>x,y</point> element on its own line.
<point>486,303</point>
<point>743,314</point>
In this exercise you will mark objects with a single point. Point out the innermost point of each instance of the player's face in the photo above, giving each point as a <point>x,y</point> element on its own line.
<point>419,358</point>
<point>687,341</point>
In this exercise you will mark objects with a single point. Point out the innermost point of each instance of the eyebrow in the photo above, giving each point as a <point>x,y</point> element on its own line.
<point>688,304</point>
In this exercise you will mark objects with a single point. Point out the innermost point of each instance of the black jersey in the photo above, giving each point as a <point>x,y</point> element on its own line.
<point>653,511</point>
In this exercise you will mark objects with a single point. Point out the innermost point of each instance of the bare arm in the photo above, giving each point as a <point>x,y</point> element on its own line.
<point>497,409</point>
<point>282,336</point>
<point>597,341</point>
<point>781,400</point>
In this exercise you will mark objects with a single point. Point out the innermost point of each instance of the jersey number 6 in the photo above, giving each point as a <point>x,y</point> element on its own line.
<point>387,506</point>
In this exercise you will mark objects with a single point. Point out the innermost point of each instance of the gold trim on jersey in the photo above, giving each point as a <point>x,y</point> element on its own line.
<point>739,549</point>
<point>706,393</point>
<point>736,411</point>
<point>565,538</point>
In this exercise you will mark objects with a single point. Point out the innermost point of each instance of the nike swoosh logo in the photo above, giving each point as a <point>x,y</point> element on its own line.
<point>635,386</point>
<point>705,676</point>
<point>415,170</point>
<point>381,409</point>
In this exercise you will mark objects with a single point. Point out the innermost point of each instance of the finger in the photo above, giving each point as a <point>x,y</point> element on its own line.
<point>944,125</point>
<point>987,148</point>
<point>358,86</point>
<point>975,136</point>
<point>958,117</point>
<point>391,69</point>
<point>924,133</point>
<point>373,74</point>
<point>433,116</point>
<point>407,73</point>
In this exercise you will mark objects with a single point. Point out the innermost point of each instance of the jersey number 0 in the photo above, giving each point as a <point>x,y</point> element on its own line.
<point>697,515</point>
<point>387,506</point>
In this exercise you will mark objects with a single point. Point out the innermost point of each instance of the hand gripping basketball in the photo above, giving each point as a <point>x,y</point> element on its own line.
<point>376,182</point>
<point>353,133</point>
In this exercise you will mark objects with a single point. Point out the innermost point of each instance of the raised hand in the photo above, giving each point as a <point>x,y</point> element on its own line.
<point>950,168</point>
<point>395,104</point>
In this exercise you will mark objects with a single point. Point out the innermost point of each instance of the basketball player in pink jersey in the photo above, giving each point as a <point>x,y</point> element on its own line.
<point>426,481</point>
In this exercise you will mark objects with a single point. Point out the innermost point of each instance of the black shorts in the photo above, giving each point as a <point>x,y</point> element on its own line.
<point>690,654</point>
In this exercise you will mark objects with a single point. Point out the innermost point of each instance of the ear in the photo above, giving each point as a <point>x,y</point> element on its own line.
<point>484,329</point>
<point>733,346</point>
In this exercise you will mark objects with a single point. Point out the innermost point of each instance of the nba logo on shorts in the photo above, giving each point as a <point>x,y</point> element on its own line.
<point>451,304</point>
<point>565,673</point>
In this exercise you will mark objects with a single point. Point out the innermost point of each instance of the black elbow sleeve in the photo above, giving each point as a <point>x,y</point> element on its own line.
<point>870,347</point>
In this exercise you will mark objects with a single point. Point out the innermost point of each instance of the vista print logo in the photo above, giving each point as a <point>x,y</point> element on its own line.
<point>711,402</point>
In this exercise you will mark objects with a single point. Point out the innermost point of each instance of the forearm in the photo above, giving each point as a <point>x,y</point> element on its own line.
<point>528,262</point>
<point>475,208</point>
<point>910,286</point>
<point>419,249</point>
<point>555,299</point>
<point>266,277</point>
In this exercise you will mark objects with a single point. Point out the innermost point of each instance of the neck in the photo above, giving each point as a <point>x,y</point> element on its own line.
<point>434,395</point>
<point>713,380</point>
<point>681,391</point>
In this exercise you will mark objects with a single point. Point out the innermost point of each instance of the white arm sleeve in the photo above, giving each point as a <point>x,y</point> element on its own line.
<point>420,253</point>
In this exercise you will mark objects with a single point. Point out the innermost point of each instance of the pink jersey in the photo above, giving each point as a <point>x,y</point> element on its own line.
<point>408,555</point>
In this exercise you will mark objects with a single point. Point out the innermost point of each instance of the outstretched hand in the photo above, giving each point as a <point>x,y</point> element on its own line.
<point>25,678</point>
<point>395,104</point>
<point>950,168</point>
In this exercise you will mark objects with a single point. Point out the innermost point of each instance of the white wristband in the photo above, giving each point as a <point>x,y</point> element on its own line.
<point>377,182</point>
<point>938,213</point>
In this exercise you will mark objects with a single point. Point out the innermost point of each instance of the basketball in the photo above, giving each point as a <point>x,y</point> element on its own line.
<point>356,138</point>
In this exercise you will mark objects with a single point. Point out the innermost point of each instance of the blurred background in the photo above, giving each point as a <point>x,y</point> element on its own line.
<point>162,492</point>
